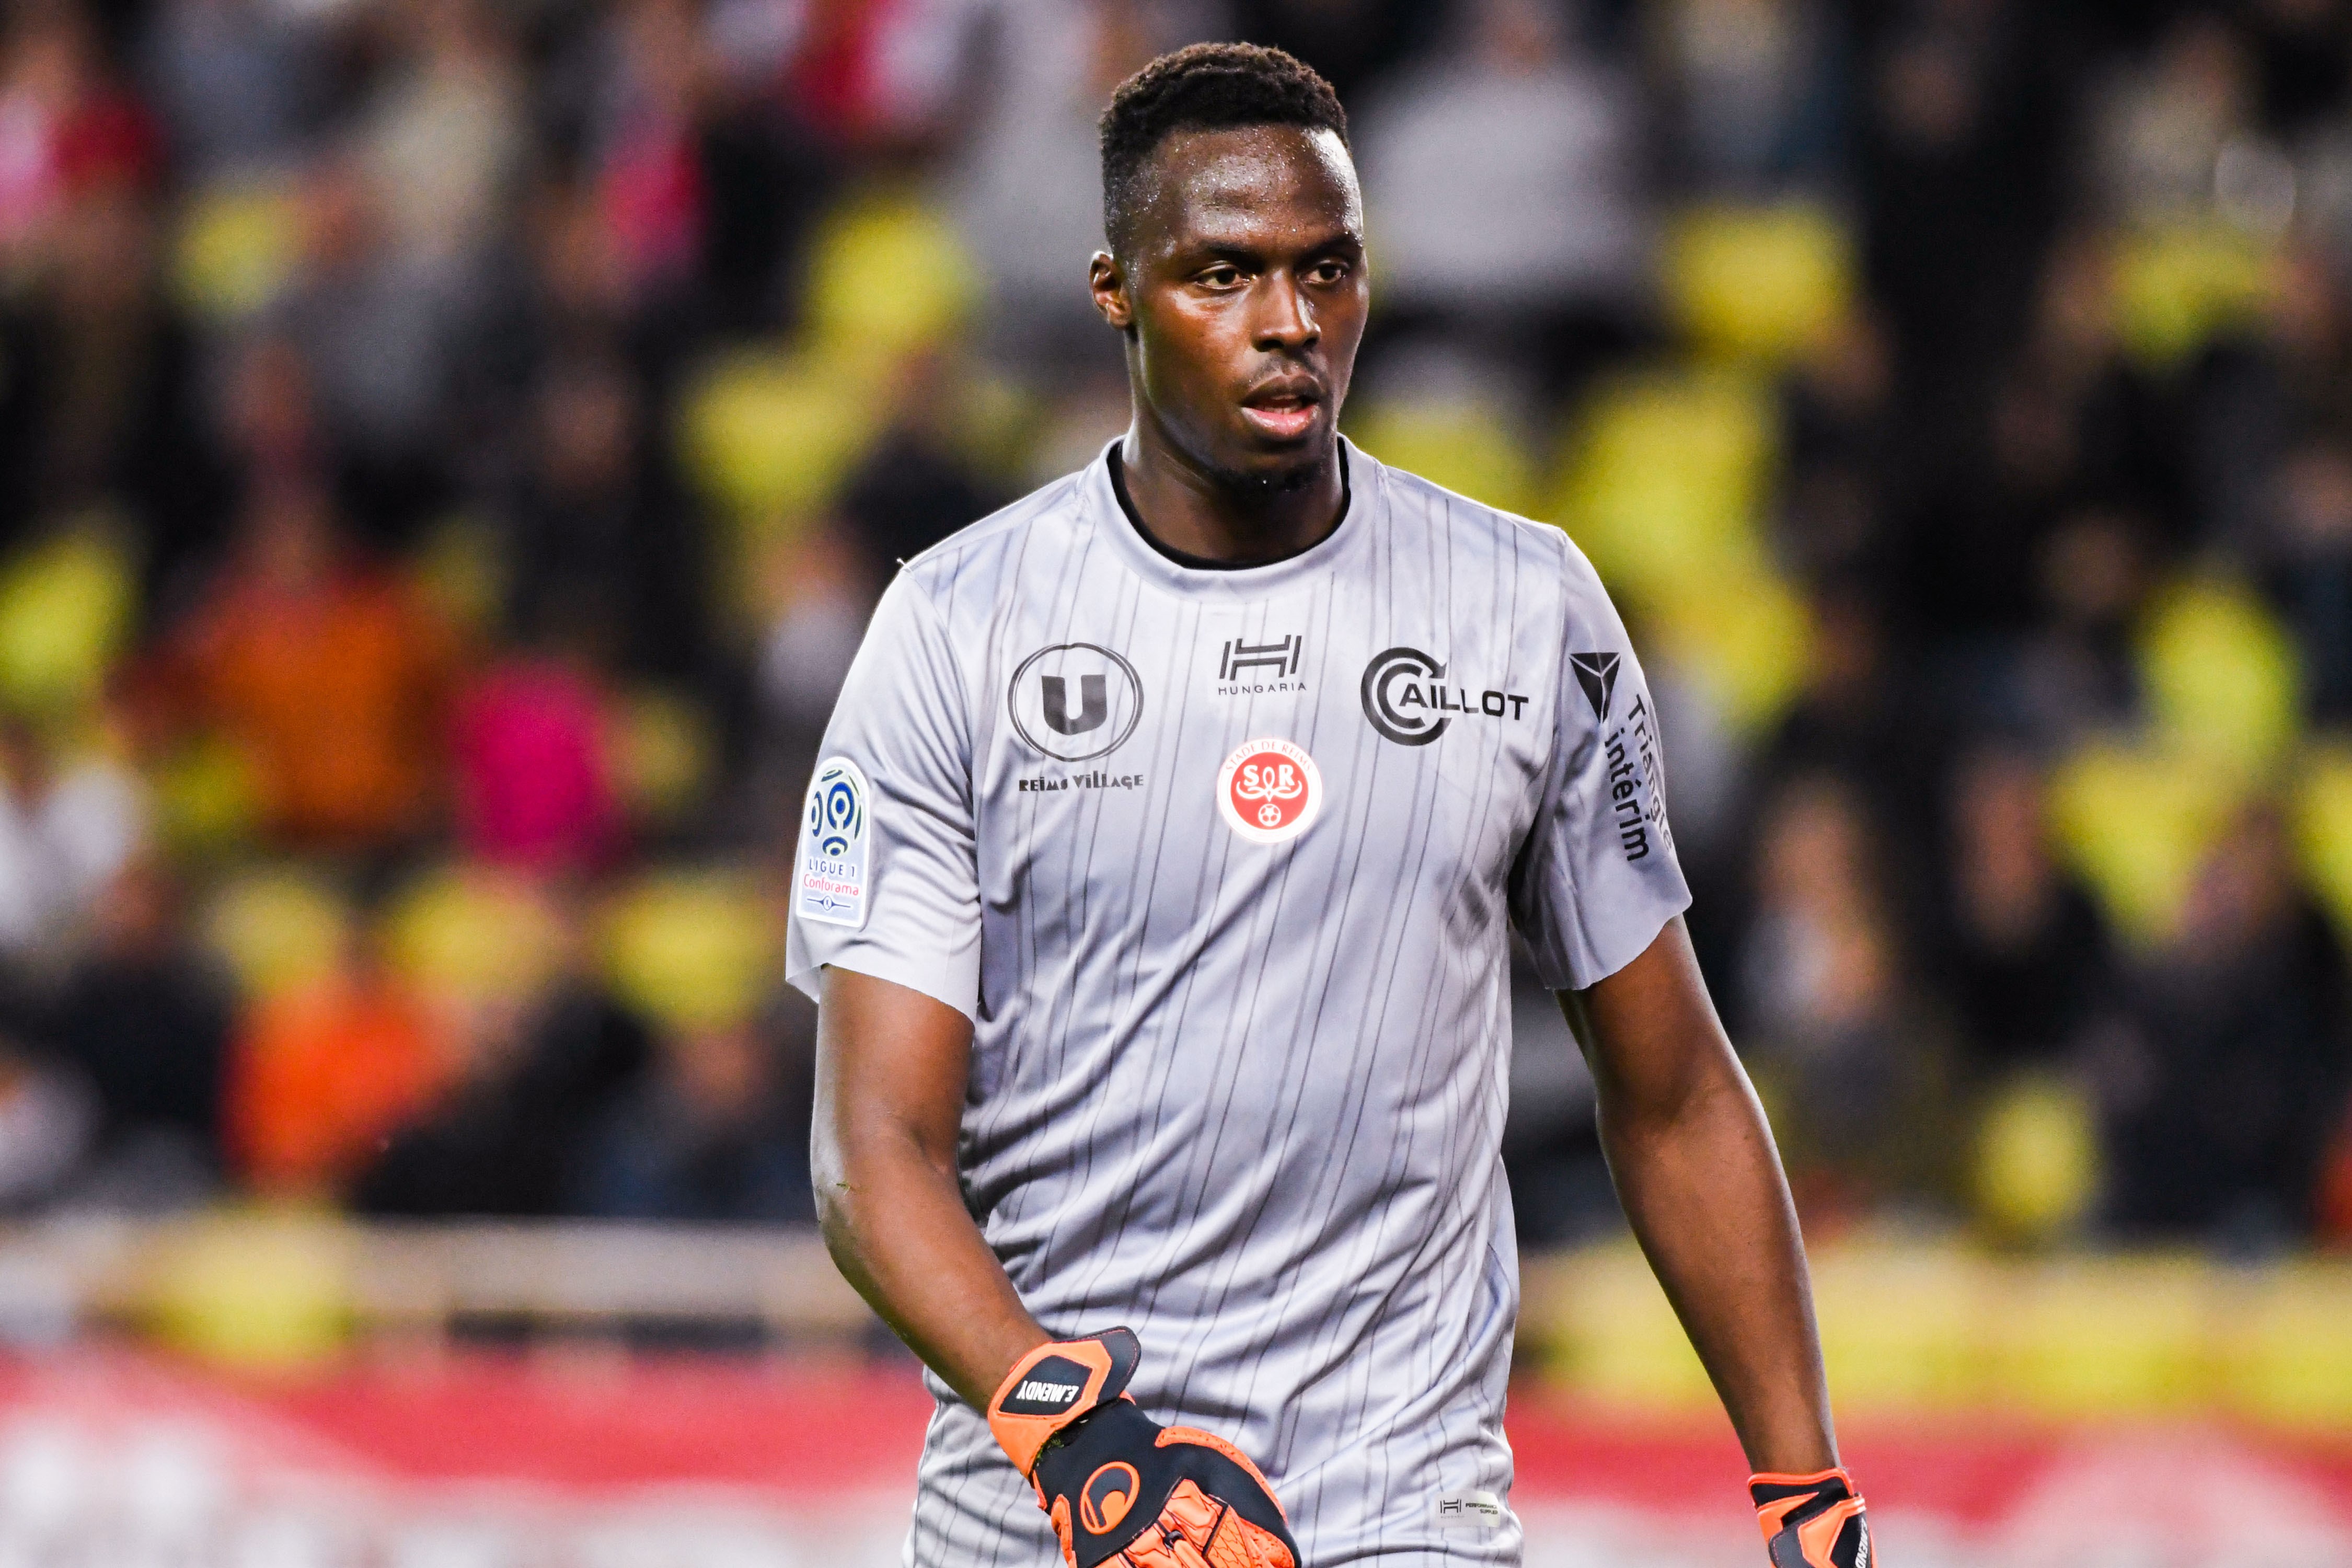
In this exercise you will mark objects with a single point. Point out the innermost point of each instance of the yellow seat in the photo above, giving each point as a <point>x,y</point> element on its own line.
<point>2037,1159</point>
<point>276,928</point>
<point>2136,819</point>
<point>2175,286</point>
<point>663,754</point>
<point>237,246</point>
<point>693,948</point>
<point>1757,283</point>
<point>475,933</point>
<point>887,274</point>
<point>2221,678</point>
<point>65,606</point>
<point>1665,481</point>
<point>1665,478</point>
<point>2322,812</point>
<point>1464,444</point>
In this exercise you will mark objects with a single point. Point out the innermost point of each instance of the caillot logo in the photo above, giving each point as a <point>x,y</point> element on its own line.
<point>1269,790</point>
<point>1074,701</point>
<point>1407,699</point>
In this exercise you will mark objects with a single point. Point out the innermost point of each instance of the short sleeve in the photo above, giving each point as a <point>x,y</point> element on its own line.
<point>885,875</point>
<point>1597,878</point>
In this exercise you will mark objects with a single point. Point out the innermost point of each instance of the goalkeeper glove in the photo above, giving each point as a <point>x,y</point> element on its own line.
<point>1121,1488</point>
<point>1811,1521</point>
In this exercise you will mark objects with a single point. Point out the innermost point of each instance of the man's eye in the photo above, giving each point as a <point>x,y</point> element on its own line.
<point>1223,277</point>
<point>1328,272</point>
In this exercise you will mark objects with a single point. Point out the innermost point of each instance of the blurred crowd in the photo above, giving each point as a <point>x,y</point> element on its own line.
<point>448,449</point>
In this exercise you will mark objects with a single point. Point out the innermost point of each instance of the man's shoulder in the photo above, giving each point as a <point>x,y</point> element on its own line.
<point>972,564</point>
<point>1457,521</point>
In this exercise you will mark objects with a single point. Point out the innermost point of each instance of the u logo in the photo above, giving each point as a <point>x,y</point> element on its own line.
<point>1108,700</point>
<point>1093,704</point>
<point>1108,1493</point>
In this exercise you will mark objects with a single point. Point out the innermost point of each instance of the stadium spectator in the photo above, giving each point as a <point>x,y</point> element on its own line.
<point>1026,184</point>
<point>534,767</point>
<point>1499,182</point>
<point>1754,95</point>
<point>320,1076</point>
<point>329,675</point>
<point>2223,1091</point>
<point>596,541</point>
<point>146,1018</point>
<point>383,330</point>
<point>101,411</point>
<point>47,1117</point>
<point>505,1136</point>
<point>237,81</point>
<point>1831,1024</point>
<point>713,1132</point>
<point>67,826</point>
<point>2028,966</point>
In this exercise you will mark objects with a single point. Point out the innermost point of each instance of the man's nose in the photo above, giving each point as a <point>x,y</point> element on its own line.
<point>1286,319</point>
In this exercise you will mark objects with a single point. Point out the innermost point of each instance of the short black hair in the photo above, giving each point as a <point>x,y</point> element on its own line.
<point>1203,87</point>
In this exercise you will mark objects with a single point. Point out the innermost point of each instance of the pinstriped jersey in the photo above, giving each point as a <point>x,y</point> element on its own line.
<point>1222,865</point>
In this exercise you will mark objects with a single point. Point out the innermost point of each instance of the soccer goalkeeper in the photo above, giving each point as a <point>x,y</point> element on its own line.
<point>1156,884</point>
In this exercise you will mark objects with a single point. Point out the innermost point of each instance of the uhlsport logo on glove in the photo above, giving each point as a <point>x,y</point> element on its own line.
<point>1120,1489</point>
<point>1108,1493</point>
<point>1269,790</point>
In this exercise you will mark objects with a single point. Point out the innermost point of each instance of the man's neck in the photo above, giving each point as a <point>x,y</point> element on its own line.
<point>1197,516</point>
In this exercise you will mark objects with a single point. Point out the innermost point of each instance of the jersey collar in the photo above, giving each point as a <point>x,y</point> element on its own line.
<point>1366,499</point>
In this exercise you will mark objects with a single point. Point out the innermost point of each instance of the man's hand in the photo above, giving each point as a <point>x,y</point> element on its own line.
<point>1121,1488</point>
<point>1811,1521</point>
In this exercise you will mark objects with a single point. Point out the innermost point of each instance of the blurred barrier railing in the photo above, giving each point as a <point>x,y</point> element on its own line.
<point>1915,1329</point>
<point>1906,1327</point>
<point>283,1288</point>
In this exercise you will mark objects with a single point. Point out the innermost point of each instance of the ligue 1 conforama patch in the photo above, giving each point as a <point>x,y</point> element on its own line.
<point>829,882</point>
<point>1269,790</point>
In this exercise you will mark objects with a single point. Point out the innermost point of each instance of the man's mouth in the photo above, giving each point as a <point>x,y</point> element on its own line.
<point>1285,412</point>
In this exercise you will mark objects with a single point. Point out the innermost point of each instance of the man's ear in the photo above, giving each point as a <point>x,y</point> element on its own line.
<point>1108,281</point>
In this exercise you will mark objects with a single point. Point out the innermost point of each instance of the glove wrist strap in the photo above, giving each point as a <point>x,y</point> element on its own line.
<point>1054,1385</point>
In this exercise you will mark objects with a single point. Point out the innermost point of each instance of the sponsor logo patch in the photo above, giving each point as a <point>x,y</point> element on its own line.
<point>1467,1510</point>
<point>1597,673</point>
<point>1269,790</point>
<point>1260,669</point>
<point>829,882</point>
<point>1052,1387</point>
<point>1074,701</point>
<point>1635,781</point>
<point>1408,699</point>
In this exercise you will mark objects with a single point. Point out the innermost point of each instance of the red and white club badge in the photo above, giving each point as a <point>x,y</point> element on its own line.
<point>1269,791</point>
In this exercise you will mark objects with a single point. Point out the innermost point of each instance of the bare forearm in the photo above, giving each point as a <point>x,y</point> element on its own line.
<point>1706,1199</point>
<point>898,1230</point>
<point>891,1064</point>
<point>1696,1169</point>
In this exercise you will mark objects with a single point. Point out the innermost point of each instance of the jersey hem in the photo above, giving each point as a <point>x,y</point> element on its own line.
<point>808,980</point>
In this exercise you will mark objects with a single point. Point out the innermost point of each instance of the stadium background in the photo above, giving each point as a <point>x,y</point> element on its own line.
<point>448,449</point>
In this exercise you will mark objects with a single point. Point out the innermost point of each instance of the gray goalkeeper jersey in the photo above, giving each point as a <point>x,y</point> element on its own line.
<point>1222,865</point>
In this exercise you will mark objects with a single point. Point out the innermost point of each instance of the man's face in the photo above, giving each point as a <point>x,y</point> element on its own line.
<point>1246,287</point>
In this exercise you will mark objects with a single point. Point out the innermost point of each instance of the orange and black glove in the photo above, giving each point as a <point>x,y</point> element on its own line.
<point>1121,1488</point>
<point>1811,1521</point>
